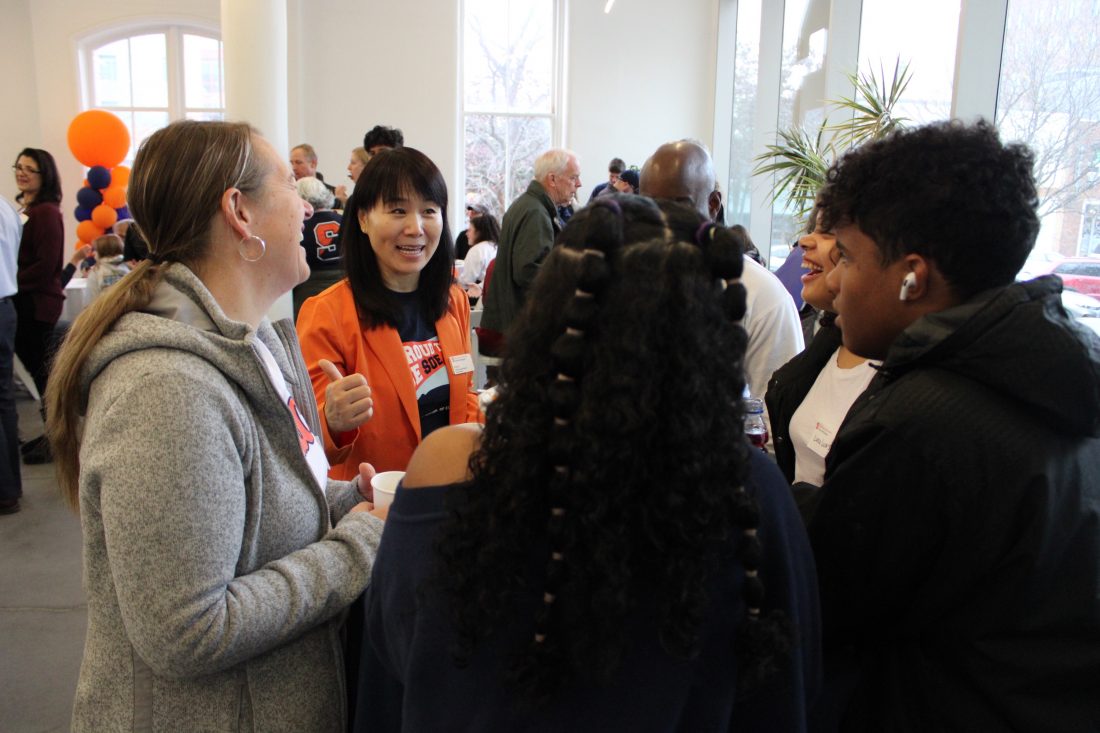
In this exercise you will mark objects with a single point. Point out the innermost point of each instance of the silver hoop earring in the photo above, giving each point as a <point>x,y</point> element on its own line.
<point>244,245</point>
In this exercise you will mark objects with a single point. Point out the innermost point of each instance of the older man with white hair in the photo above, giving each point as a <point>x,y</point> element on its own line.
<point>527,233</point>
<point>319,238</point>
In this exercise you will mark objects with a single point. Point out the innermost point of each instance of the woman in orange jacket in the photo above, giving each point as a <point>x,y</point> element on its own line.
<point>388,347</point>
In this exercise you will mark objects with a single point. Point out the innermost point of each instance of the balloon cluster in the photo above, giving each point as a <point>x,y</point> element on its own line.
<point>100,141</point>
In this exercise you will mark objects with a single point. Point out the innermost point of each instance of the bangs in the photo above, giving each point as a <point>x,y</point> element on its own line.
<point>392,175</point>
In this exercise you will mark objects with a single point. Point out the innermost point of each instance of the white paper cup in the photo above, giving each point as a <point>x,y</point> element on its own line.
<point>384,486</point>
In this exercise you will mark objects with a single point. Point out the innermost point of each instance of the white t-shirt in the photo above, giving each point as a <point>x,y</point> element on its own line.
<point>773,326</point>
<point>312,446</point>
<point>817,419</point>
<point>477,262</point>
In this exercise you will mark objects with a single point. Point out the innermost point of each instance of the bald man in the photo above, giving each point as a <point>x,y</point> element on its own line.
<point>683,171</point>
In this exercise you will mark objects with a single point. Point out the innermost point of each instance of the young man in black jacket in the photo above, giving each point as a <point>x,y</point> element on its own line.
<point>957,533</point>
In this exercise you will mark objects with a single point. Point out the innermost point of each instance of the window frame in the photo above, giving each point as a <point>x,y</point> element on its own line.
<point>974,87</point>
<point>556,115</point>
<point>173,29</point>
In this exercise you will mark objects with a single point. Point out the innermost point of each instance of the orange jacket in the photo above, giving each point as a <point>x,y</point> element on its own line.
<point>329,328</point>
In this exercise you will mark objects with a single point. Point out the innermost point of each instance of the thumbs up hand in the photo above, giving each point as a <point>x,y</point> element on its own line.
<point>348,403</point>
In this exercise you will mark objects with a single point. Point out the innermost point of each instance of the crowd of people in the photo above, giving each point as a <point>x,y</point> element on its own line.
<point>599,547</point>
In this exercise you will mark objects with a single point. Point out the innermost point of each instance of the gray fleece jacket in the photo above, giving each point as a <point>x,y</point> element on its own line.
<point>214,574</point>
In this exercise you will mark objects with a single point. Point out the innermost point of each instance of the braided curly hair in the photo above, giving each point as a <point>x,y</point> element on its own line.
<point>615,452</point>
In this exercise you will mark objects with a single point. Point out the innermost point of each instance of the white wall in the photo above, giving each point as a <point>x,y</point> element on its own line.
<point>362,63</point>
<point>19,126</point>
<point>635,78</point>
<point>51,97</point>
<point>638,77</point>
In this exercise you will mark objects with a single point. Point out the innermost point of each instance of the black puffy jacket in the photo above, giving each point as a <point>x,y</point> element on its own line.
<point>957,535</point>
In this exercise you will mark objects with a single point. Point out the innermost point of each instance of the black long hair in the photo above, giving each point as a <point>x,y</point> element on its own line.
<point>390,175</point>
<point>486,229</point>
<point>50,192</point>
<point>622,374</point>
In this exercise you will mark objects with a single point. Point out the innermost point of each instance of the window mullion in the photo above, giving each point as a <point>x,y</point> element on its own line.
<point>176,92</point>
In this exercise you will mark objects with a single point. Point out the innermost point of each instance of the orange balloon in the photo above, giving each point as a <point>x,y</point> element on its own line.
<point>88,230</point>
<point>97,137</point>
<point>114,196</point>
<point>120,176</point>
<point>78,244</point>
<point>104,216</point>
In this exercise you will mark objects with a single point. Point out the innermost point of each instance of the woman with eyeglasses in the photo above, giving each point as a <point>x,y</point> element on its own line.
<point>41,295</point>
<point>217,555</point>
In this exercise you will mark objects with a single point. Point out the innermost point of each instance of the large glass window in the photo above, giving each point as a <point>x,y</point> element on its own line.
<point>151,77</point>
<point>509,63</point>
<point>801,103</point>
<point>746,67</point>
<point>924,36</point>
<point>1049,98</point>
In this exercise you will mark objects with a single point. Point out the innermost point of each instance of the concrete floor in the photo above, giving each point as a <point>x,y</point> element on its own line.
<point>43,614</point>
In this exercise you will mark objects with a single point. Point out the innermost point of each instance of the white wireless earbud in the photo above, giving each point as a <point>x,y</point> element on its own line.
<point>907,284</point>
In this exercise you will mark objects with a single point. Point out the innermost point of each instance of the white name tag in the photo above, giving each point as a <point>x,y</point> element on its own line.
<point>462,364</point>
<point>821,440</point>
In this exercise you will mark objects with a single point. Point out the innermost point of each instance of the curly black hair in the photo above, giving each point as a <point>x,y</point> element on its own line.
<point>614,460</point>
<point>948,191</point>
<point>389,137</point>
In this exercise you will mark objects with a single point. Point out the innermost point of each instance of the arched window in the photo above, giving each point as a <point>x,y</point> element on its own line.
<point>152,74</point>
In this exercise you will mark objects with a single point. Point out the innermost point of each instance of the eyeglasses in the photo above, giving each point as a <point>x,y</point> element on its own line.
<point>23,169</point>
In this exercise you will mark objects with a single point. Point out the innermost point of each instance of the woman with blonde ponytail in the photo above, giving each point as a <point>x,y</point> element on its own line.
<point>217,555</point>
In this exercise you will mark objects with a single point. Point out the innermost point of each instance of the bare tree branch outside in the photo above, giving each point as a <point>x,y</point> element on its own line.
<point>508,52</point>
<point>1049,99</point>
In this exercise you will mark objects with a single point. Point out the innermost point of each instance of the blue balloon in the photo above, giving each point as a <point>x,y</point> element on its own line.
<point>98,177</point>
<point>82,214</point>
<point>123,213</point>
<point>89,198</point>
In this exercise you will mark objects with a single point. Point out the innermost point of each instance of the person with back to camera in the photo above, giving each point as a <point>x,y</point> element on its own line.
<point>957,533</point>
<point>590,561</point>
<point>388,347</point>
<point>483,233</point>
<point>809,396</point>
<point>320,239</point>
<point>109,267</point>
<point>40,297</point>
<point>185,431</point>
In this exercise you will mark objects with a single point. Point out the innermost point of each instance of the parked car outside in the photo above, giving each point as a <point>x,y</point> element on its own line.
<point>1080,273</point>
<point>1085,308</point>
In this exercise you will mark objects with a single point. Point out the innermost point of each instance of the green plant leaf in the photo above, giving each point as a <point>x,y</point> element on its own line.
<point>800,161</point>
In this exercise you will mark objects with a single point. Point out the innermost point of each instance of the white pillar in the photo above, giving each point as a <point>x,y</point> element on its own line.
<point>978,59</point>
<point>254,48</point>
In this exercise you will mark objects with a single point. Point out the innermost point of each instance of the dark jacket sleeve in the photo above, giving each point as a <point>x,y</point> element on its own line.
<point>782,702</point>
<point>41,249</point>
<point>534,235</point>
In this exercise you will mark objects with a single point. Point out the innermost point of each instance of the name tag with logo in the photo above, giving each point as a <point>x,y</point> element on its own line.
<point>821,440</point>
<point>462,364</point>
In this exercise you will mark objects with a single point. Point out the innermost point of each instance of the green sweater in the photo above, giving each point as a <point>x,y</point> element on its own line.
<point>527,233</point>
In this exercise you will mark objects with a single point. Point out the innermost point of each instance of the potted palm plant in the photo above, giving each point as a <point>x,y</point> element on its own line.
<point>800,158</point>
